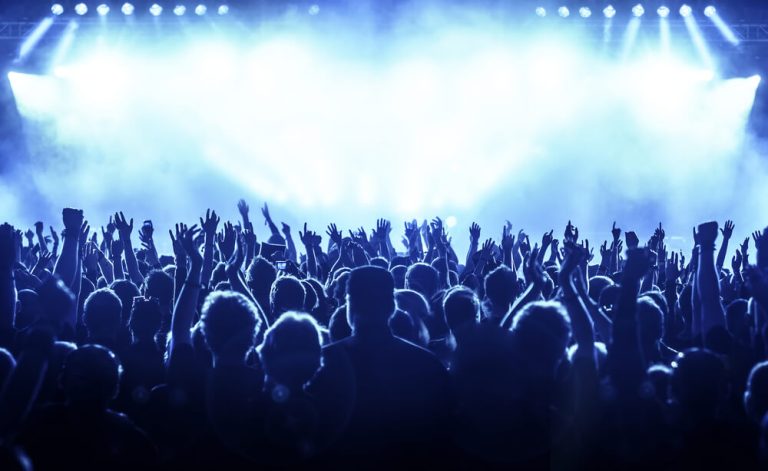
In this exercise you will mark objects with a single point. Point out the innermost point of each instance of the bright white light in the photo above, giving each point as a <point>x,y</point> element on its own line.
<point>223,9</point>
<point>585,12</point>
<point>201,10</point>
<point>686,11</point>
<point>663,11</point>
<point>314,9</point>
<point>450,221</point>
<point>609,11</point>
<point>155,10</point>
<point>57,9</point>
<point>179,10</point>
<point>127,9</point>
<point>638,10</point>
<point>710,11</point>
<point>34,37</point>
<point>81,9</point>
<point>541,12</point>
<point>563,11</point>
<point>102,9</point>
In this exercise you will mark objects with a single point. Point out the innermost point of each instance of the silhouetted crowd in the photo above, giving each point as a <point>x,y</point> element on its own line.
<point>236,352</point>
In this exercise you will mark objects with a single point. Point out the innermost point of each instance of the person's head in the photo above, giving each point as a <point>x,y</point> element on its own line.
<point>462,309</point>
<point>160,285</point>
<point>408,327</point>
<point>413,303</point>
<point>422,278</point>
<point>756,394</point>
<point>126,291</point>
<point>501,289</point>
<point>29,309</point>
<point>380,262</point>
<point>398,273</point>
<point>596,286</point>
<point>338,326</point>
<point>660,377</point>
<point>146,316</point>
<point>229,323</point>
<point>259,278</point>
<point>542,330</point>
<point>287,294</point>
<point>609,297</point>
<point>292,349</point>
<point>699,382</point>
<point>650,321</point>
<point>370,298</point>
<point>91,376</point>
<point>102,314</point>
<point>310,296</point>
<point>339,286</point>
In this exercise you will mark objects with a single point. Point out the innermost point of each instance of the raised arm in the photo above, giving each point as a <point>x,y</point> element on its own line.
<point>474,241</point>
<point>268,221</point>
<point>583,330</point>
<point>727,232</point>
<point>9,257</point>
<point>208,226</point>
<point>66,264</point>
<point>184,311</point>
<point>124,229</point>
<point>310,240</point>
<point>708,286</point>
<point>180,259</point>
<point>291,253</point>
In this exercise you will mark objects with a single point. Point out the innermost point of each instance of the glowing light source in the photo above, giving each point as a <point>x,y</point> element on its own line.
<point>127,9</point>
<point>201,10</point>
<point>585,12</point>
<point>541,12</point>
<point>314,9</point>
<point>663,11</point>
<point>102,9</point>
<point>155,10</point>
<point>710,11</point>
<point>609,11</point>
<point>563,11</point>
<point>223,9</point>
<point>686,11</point>
<point>81,9</point>
<point>179,10</point>
<point>638,10</point>
<point>57,9</point>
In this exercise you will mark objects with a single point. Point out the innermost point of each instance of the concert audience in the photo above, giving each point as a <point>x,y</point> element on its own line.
<point>240,353</point>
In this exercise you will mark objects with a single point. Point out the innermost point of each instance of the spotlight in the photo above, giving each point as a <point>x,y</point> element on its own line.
<point>57,9</point>
<point>127,9</point>
<point>81,9</point>
<point>102,9</point>
<point>563,11</point>
<point>155,10</point>
<point>609,11</point>
<point>710,11</point>
<point>686,11</point>
<point>201,10</point>
<point>179,10</point>
<point>541,12</point>
<point>585,12</point>
<point>314,9</point>
<point>638,10</point>
<point>223,9</point>
<point>663,12</point>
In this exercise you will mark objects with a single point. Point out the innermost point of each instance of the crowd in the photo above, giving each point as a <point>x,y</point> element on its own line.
<point>236,352</point>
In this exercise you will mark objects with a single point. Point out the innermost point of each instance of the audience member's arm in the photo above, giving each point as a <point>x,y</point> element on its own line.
<point>186,305</point>
<point>124,229</point>
<point>208,227</point>
<point>535,273</point>
<point>66,264</point>
<point>583,331</point>
<point>727,232</point>
<point>268,221</point>
<point>291,253</point>
<point>9,257</point>
<point>712,312</point>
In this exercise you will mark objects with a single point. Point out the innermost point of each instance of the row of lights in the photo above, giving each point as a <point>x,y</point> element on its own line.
<point>637,11</point>
<point>128,9</point>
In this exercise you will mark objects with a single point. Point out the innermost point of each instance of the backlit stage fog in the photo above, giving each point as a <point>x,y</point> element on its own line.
<point>450,114</point>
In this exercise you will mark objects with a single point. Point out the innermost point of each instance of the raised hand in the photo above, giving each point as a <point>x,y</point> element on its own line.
<point>474,233</point>
<point>117,248</point>
<point>707,233</point>
<point>525,246</point>
<point>227,240</point>
<point>736,262</point>
<point>188,243</point>
<point>209,225</point>
<point>673,268</point>
<point>727,230</point>
<point>605,252</point>
<point>43,262</point>
<point>546,240</point>
<point>615,232</point>
<point>54,236</point>
<point>73,219</point>
<point>243,209</point>
<point>507,240</point>
<point>286,229</point>
<point>659,234</point>
<point>335,234</point>
<point>8,253</point>
<point>745,251</point>
<point>124,227</point>
<point>39,228</point>
<point>178,249</point>
<point>571,233</point>
<point>638,263</point>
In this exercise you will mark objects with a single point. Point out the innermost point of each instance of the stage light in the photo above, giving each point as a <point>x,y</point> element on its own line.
<point>663,11</point>
<point>57,9</point>
<point>223,9</point>
<point>179,10</point>
<point>81,9</point>
<point>102,9</point>
<point>710,11</point>
<point>686,11</point>
<point>609,11</point>
<point>127,9</point>
<point>314,9</point>
<point>155,10</point>
<point>201,10</point>
<point>541,12</point>
<point>638,10</point>
<point>585,12</point>
<point>563,11</point>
